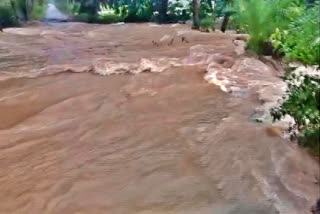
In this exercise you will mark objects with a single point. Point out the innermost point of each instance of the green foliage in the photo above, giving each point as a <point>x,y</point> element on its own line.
<point>207,22</point>
<point>108,19</point>
<point>7,17</point>
<point>122,10</point>
<point>220,7</point>
<point>301,41</point>
<point>283,12</point>
<point>177,11</point>
<point>19,9</point>
<point>108,11</point>
<point>142,11</point>
<point>255,17</point>
<point>68,7</point>
<point>90,7</point>
<point>302,102</point>
<point>82,17</point>
<point>38,9</point>
<point>207,15</point>
<point>205,9</point>
<point>260,18</point>
<point>14,11</point>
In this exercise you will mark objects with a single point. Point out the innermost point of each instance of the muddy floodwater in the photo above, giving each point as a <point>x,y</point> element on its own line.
<point>134,119</point>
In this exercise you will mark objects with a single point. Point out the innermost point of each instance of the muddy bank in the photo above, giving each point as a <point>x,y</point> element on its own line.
<point>165,142</point>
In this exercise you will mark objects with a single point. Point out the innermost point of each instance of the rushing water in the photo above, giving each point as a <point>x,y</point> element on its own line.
<point>165,142</point>
<point>52,13</point>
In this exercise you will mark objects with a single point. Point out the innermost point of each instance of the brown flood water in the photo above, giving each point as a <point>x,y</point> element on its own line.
<point>147,143</point>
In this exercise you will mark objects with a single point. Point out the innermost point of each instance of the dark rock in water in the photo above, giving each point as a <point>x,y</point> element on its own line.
<point>268,48</point>
<point>259,116</point>
<point>316,208</point>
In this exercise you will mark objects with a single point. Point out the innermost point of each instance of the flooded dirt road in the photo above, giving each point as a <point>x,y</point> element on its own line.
<point>147,141</point>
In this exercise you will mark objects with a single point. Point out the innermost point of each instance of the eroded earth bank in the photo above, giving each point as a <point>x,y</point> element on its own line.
<point>172,132</point>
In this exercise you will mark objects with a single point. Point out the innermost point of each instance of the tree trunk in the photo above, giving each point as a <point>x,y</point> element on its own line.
<point>29,7</point>
<point>196,22</point>
<point>163,11</point>
<point>225,22</point>
<point>210,4</point>
<point>226,18</point>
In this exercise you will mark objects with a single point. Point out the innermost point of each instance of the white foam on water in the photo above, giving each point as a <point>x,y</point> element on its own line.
<point>105,67</point>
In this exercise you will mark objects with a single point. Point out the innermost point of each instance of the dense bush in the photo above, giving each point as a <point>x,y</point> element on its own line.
<point>207,22</point>
<point>108,19</point>
<point>68,7</point>
<point>207,15</point>
<point>301,41</point>
<point>140,12</point>
<point>302,102</point>
<point>255,17</point>
<point>15,11</point>
<point>205,9</point>
<point>38,9</point>
<point>7,17</point>
<point>178,11</point>
<point>260,18</point>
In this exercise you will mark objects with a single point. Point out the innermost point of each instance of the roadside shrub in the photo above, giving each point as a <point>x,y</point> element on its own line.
<point>302,102</point>
<point>14,12</point>
<point>108,15</point>
<point>178,11</point>
<point>283,12</point>
<point>207,22</point>
<point>68,7</point>
<point>108,19</point>
<point>221,7</point>
<point>205,9</point>
<point>301,41</point>
<point>19,9</point>
<point>207,15</point>
<point>38,10</point>
<point>82,17</point>
<point>255,17</point>
<point>260,18</point>
<point>122,10</point>
<point>7,17</point>
<point>140,12</point>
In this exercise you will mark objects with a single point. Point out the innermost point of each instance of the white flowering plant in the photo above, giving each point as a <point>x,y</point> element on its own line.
<point>302,102</point>
<point>179,10</point>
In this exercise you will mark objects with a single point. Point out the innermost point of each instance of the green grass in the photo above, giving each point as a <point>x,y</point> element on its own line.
<point>301,41</point>
<point>207,22</point>
<point>260,18</point>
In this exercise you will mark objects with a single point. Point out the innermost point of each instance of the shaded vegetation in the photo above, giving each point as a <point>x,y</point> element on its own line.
<point>301,41</point>
<point>302,102</point>
<point>7,17</point>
